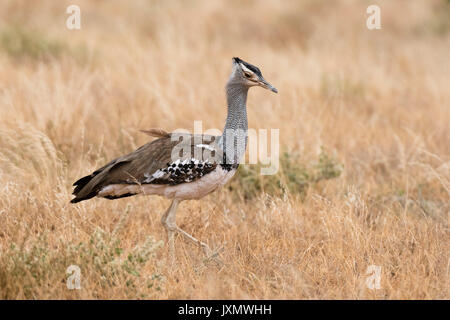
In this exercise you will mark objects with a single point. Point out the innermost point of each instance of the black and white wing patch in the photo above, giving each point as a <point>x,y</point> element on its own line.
<point>187,168</point>
<point>180,171</point>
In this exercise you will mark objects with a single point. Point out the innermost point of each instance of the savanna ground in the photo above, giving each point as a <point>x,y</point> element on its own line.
<point>364,133</point>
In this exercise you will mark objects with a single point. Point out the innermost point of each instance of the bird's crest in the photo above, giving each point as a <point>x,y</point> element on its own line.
<point>156,132</point>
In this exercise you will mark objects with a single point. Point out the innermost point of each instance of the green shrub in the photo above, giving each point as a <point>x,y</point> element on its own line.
<point>22,44</point>
<point>102,261</point>
<point>294,176</point>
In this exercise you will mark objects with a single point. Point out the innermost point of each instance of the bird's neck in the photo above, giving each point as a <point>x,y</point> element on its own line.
<point>234,137</point>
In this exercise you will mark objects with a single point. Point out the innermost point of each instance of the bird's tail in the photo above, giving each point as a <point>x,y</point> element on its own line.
<point>79,186</point>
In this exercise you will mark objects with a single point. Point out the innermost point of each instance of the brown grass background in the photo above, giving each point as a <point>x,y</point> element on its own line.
<point>378,100</point>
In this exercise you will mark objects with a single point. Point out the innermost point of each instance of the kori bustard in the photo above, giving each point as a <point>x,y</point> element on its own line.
<point>181,166</point>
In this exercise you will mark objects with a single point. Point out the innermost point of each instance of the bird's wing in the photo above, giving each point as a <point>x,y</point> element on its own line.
<point>180,158</point>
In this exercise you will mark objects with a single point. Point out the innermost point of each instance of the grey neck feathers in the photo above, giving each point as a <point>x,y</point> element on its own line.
<point>234,137</point>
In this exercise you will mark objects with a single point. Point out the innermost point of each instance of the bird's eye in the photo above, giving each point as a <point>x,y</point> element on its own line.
<point>247,75</point>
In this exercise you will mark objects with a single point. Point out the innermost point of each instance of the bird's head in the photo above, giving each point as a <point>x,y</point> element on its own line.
<point>248,75</point>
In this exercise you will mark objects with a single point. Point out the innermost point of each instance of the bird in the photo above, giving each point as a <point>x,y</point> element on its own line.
<point>181,166</point>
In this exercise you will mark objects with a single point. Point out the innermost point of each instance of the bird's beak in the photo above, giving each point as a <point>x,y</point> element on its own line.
<point>263,83</point>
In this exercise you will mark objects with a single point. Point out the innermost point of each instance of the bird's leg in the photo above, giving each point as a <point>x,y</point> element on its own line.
<point>168,221</point>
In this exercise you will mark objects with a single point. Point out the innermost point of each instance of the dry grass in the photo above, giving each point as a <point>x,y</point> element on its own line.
<point>378,101</point>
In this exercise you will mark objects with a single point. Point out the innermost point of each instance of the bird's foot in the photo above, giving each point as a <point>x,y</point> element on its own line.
<point>212,256</point>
